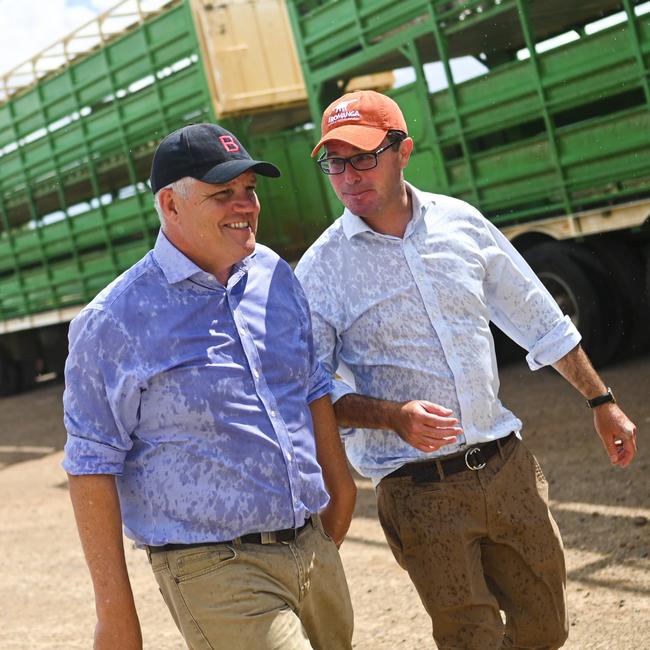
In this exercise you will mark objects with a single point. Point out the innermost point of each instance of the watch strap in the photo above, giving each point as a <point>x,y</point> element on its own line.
<point>601,399</point>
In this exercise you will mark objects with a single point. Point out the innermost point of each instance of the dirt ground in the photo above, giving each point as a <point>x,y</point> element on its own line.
<point>603,512</point>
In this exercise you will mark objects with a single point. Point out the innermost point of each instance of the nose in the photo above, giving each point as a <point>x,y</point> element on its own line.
<point>350,174</point>
<point>244,203</point>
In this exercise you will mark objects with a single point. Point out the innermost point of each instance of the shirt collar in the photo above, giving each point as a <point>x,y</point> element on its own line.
<point>177,267</point>
<point>354,225</point>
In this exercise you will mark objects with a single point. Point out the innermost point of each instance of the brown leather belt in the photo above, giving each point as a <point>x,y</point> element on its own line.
<point>474,458</point>
<point>274,537</point>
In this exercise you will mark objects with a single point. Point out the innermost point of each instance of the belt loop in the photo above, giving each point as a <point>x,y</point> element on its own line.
<point>441,472</point>
<point>236,542</point>
<point>500,448</point>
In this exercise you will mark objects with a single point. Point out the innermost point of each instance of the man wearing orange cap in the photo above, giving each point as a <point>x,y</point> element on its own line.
<point>402,289</point>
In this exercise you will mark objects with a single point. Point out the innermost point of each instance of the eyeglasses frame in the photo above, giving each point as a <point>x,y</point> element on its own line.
<point>347,160</point>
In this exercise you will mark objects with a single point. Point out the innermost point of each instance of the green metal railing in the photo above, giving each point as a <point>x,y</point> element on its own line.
<point>75,154</point>
<point>553,133</point>
<point>76,149</point>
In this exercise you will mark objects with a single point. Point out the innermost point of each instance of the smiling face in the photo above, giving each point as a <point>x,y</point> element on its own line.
<point>377,195</point>
<point>214,225</point>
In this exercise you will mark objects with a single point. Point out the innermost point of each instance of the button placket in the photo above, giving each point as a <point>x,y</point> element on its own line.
<point>267,399</point>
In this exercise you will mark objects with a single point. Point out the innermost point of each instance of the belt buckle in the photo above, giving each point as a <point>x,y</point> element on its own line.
<point>474,459</point>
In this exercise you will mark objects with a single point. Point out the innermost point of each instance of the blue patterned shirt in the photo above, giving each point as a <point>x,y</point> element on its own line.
<point>197,397</point>
<point>408,318</point>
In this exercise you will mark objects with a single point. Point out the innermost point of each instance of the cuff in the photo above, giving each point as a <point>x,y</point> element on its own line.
<point>320,384</point>
<point>554,345</point>
<point>340,389</point>
<point>83,456</point>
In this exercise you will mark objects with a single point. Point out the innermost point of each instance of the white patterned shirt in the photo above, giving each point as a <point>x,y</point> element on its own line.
<point>408,318</point>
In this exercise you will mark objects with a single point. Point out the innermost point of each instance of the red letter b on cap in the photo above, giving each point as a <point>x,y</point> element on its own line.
<point>229,143</point>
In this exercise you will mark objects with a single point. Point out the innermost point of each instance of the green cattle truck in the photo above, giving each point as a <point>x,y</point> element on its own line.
<point>539,115</point>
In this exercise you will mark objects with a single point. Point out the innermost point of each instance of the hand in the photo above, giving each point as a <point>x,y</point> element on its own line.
<point>122,633</point>
<point>335,524</point>
<point>424,425</point>
<point>617,432</point>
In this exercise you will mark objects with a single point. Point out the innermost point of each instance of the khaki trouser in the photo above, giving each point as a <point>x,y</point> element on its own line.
<point>479,542</point>
<point>284,596</point>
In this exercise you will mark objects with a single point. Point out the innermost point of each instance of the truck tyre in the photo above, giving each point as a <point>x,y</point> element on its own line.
<point>646,259</point>
<point>572,289</point>
<point>9,375</point>
<point>614,320</point>
<point>627,284</point>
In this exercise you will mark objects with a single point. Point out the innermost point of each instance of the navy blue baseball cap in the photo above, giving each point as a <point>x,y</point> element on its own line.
<point>207,152</point>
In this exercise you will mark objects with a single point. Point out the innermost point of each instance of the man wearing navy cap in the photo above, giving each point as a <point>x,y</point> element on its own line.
<point>199,418</point>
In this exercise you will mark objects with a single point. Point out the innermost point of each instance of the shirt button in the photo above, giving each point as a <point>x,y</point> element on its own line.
<point>288,456</point>
<point>272,414</point>
<point>256,373</point>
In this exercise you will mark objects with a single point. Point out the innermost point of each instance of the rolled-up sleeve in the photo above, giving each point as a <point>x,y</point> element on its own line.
<point>320,383</point>
<point>522,307</point>
<point>102,396</point>
<point>553,345</point>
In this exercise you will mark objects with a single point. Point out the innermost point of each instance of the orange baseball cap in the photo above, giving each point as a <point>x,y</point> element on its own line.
<point>362,119</point>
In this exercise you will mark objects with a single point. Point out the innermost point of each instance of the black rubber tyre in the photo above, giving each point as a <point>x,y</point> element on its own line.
<point>9,375</point>
<point>574,291</point>
<point>614,322</point>
<point>626,284</point>
<point>646,259</point>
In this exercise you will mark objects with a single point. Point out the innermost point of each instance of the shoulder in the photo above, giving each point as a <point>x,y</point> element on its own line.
<point>324,253</point>
<point>451,217</point>
<point>117,296</point>
<point>272,270</point>
<point>453,209</point>
<point>129,283</point>
<point>267,261</point>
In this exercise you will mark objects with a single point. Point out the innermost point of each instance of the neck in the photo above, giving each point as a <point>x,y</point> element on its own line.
<point>220,271</point>
<point>394,217</point>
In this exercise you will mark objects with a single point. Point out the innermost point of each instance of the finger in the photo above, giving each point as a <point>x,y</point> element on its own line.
<point>625,450</point>
<point>430,407</point>
<point>439,433</point>
<point>429,444</point>
<point>436,421</point>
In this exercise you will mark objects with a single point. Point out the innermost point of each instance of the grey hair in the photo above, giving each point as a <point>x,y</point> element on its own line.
<point>181,186</point>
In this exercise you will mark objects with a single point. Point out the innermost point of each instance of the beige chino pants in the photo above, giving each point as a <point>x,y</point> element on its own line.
<point>481,542</point>
<point>291,596</point>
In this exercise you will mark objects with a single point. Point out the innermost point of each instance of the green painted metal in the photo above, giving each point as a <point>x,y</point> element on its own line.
<point>559,132</point>
<point>555,133</point>
<point>441,44</point>
<point>76,148</point>
<point>549,124</point>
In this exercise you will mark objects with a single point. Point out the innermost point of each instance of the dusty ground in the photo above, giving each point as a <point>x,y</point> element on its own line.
<point>45,595</point>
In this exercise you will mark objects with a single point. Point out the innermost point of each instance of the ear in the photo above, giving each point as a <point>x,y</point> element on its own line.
<point>405,151</point>
<point>168,205</point>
